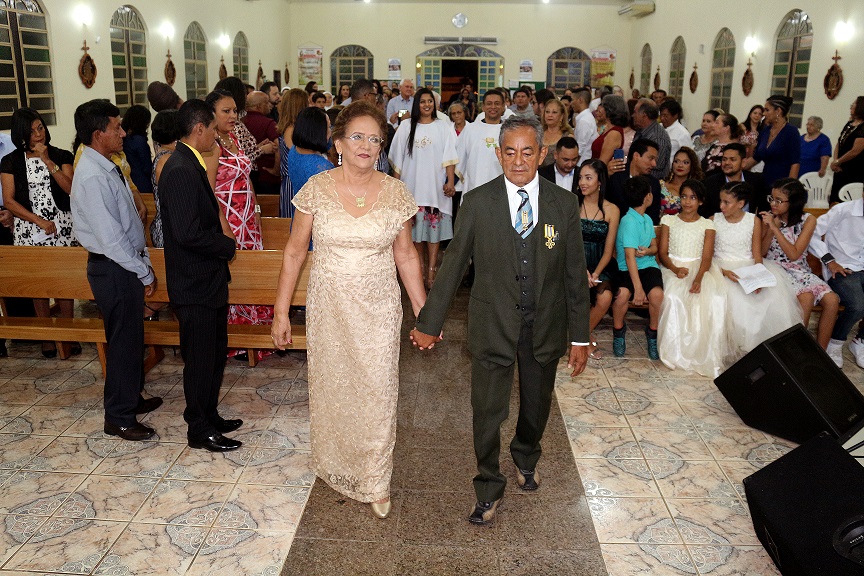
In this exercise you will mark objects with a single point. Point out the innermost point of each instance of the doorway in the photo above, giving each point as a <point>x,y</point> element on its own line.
<point>455,73</point>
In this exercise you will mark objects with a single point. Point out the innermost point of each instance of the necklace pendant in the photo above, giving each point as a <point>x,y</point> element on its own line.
<point>361,201</point>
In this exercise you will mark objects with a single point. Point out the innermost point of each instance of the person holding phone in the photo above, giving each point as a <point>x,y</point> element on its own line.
<point>400,106</point>
<point>611,118</point>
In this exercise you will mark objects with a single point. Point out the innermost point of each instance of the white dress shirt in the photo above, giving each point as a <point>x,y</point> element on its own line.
<point>565,180</point>
<point>678,137</point>
<point>843,228</point>
<point>585,133</point>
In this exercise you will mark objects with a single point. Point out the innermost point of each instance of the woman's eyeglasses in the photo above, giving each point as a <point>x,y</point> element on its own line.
<point>373,139</point>
<point>775,201</point>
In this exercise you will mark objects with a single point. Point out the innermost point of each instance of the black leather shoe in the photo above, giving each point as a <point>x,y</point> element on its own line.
<point>484,512</point>
<point>3,351</point>
<point>215,443</point>
<point>148,405</point>
<point>75,350</point>
<point>242,357</point>
<point>224,426</point>
<point>528,480</point>
<point>135,432</point>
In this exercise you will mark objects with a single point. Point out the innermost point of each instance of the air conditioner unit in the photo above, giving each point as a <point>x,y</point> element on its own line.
<point>488,40</point>
<point>637,9</point>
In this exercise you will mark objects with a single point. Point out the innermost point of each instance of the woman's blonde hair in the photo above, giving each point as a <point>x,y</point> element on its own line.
<point>562,123</point>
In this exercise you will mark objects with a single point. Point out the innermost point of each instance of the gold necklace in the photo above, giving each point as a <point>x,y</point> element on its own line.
<point>360,200</point>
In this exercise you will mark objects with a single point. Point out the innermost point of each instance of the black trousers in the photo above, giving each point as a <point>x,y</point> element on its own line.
<point>490,401</point>
<point>120,297</point>
<point>204,345</point>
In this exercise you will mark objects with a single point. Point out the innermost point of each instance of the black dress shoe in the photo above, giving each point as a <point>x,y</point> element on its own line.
<point>75,350</point>
<point>3,351</point>
<point>50,353</point>
<point>242,357</point>
<point>484,512</point>
<point>135,432</point>
<point>148,405</point>
<point>224,426</point>
<point>215,443</point>
<point>528,480</point>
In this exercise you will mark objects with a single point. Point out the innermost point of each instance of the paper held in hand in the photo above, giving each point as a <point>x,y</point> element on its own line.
<point>753,277</point>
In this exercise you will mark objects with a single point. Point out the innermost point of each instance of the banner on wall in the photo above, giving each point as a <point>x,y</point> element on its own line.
<point>602,67</point>
<point>394,69</point>
<point>526,70</point>
<point>310,64</point>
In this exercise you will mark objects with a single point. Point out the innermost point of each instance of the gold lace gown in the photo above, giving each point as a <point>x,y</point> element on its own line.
<point>353,322</point>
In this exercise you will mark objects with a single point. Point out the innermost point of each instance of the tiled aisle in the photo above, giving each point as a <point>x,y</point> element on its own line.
<point>660,453</point>
<point>662,456</point>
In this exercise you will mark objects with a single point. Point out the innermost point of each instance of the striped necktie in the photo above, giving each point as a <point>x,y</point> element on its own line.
<point>524,215</point>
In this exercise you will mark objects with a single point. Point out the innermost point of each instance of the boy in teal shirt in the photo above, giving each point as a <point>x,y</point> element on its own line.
<point>638,276</point>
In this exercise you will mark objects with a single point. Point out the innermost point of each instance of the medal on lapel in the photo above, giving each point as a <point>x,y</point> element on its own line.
<point>550,235</point>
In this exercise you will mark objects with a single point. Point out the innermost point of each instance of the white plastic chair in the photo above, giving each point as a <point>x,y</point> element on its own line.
<point>818,189</point>
<point>852,191</point>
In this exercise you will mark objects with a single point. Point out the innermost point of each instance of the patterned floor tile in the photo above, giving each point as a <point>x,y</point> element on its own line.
<point>67,545</point>
<point>132,553</point>
<point>633,520</point>
<point>184,503</point>
<point>644,560</point>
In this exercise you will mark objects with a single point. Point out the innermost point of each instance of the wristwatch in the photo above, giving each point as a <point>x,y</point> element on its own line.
<point>827,258</point>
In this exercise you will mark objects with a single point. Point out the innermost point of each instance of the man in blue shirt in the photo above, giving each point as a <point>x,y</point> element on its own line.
<point>638,275</point>
<point>106,223</point>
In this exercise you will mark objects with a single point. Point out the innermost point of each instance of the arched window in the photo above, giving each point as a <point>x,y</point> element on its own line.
<point>722,68</point>
<point>645,72</point>
<point>349,63</point>
<point>129,58</point>
<point>676,68</point>
<point>195,53</point>
<point>25,61</point>
<point>568,68</point>
<point>792,61</point>
<point>241,57</point>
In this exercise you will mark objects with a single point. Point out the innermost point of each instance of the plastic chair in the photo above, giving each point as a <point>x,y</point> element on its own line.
<point>851,191</point>
<point>818,189</point>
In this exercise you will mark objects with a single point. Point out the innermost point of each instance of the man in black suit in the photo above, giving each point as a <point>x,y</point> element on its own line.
<point>528,302</point>
<point>643,159</point>
<point>731,171</point>
<point>563,171</point>
<point>197,252</point>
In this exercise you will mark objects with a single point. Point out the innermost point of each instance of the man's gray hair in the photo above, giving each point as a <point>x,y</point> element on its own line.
<point>516,122</point>
<point>404,81</point>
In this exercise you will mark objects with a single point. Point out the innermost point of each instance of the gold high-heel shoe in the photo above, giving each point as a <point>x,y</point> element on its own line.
<point>381,509</point>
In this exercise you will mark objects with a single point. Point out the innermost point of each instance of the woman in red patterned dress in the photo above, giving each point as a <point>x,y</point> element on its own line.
<point>228,172</point>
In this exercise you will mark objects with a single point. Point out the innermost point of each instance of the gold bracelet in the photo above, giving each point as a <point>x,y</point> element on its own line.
<point>55,169</point>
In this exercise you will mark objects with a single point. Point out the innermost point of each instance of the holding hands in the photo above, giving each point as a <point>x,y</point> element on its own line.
<point>424,341</point>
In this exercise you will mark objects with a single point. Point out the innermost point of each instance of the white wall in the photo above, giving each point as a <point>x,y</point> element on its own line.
<point>760,19</point>
<point>525,32</point>
<point>269,43</point>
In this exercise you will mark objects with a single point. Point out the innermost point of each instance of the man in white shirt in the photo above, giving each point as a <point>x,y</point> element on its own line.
<point>839,242</point>
<point>563,171</point>
<point>585,129</point>
<point>670,115</point>
<point>405,101</point>
<point>477,143</point>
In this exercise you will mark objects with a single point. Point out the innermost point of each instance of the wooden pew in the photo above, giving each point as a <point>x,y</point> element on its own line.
<point>46,272</point>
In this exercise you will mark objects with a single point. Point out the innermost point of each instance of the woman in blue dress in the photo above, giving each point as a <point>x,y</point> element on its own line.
<point>779,144</point>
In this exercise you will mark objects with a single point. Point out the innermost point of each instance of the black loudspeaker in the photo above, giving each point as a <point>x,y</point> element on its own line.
<point>789,387</point>
<point>808,510</point>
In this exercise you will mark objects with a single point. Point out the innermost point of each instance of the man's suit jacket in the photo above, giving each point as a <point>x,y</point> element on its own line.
<point>713,184</point>
<point>485,234</point>
<point>548,172</point>
<point>196,250</point>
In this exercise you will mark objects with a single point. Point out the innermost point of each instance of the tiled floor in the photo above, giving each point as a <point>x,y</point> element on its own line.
<point>661,457</point>
<point>77,501</point>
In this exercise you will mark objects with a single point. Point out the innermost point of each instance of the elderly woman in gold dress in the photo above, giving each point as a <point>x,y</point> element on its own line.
<point>360,220</point>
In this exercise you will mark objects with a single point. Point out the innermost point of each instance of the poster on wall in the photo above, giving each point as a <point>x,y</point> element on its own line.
<point>602,67</point>
<point>310,64</point>
<point>526,70</point>
<point>394,69</point>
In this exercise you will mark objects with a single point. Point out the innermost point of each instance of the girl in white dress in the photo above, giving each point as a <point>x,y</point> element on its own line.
<point>755,317</point>
<point>690,335</point>
<point>423,156</point>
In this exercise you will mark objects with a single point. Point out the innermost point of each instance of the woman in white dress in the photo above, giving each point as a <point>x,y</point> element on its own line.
<point>423,156</point>
<point>689,334</point>
<point>755,317</point>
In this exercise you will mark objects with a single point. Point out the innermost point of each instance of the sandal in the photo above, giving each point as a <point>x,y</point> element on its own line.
<point>595,354</point>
